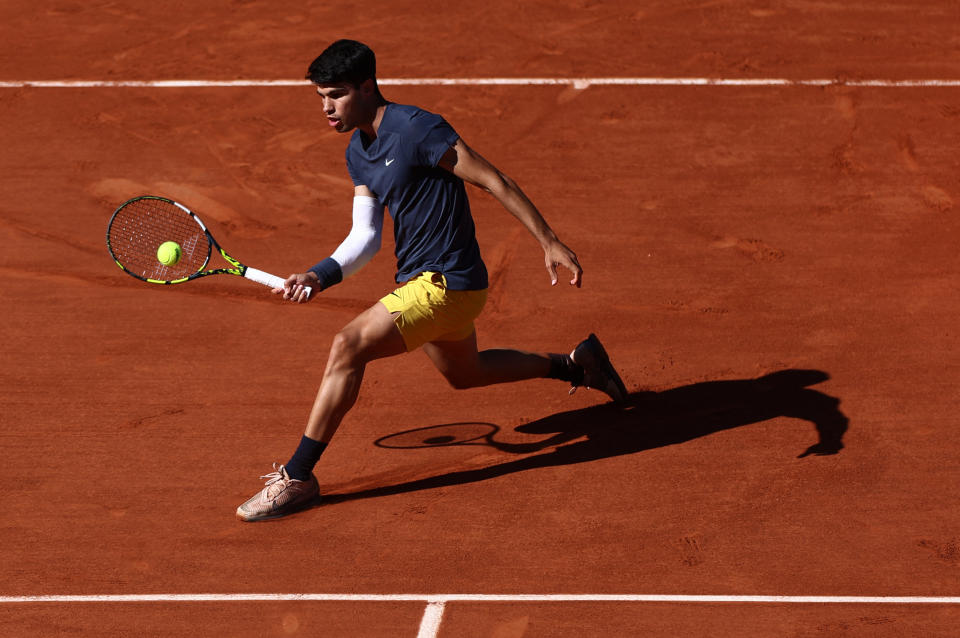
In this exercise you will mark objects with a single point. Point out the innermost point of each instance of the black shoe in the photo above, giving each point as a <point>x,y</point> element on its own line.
<point>598,372</point>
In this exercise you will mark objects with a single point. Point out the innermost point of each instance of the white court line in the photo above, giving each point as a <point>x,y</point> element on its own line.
<point>436,603</point>
<point>432,616</point>
<point>578,83</point>
<point>488,598</point>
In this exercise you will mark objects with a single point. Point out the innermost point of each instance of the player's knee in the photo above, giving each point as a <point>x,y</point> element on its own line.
<point>345,349</point>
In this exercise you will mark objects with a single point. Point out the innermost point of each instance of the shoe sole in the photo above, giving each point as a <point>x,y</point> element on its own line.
<point>289,508</point>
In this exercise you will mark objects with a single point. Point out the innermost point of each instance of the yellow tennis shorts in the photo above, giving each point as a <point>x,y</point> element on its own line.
<point>424,310</point>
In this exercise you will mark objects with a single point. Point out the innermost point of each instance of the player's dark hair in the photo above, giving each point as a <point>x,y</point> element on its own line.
<point>344,61</point>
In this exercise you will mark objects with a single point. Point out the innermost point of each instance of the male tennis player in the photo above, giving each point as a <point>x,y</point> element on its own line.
<point>414,164</point>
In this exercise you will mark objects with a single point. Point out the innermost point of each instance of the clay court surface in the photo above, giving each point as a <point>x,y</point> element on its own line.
<point>772,268</point>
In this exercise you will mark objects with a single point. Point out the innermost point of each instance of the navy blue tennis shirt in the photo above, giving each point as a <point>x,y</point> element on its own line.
<point>432,225</point>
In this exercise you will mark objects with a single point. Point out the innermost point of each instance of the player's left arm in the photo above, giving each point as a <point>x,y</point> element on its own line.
<point>471,167</point>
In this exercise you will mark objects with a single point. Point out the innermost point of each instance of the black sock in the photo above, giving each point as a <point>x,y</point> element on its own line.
<point>562,367</point>
<point>301,463</point>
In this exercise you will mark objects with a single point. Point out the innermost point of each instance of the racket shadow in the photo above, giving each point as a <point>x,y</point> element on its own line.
<point>646,421</point>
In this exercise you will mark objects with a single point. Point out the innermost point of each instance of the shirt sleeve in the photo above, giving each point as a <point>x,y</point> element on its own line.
<point>436,138</point>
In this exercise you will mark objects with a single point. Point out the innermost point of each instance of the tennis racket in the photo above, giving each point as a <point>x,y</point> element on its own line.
<point>140,225</point>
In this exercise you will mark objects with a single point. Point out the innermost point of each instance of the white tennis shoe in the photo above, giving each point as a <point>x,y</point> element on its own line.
<point>281,495</point>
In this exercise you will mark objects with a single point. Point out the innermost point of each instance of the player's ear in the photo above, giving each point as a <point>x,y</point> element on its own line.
<point>368,87</point>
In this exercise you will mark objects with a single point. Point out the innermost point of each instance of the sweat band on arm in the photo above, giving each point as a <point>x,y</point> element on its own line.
<point>358,248</point>
<point>328,273</point>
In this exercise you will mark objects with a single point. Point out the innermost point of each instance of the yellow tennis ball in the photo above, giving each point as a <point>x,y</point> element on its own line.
<point>169,253</point>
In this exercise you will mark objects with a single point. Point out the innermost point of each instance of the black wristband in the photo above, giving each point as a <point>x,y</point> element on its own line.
<point>328,273</point>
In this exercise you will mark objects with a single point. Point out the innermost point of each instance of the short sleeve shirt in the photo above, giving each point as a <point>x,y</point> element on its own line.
<point>432,225</point>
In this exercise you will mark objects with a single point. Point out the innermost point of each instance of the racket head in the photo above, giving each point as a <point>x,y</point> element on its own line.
<point>140,225</point>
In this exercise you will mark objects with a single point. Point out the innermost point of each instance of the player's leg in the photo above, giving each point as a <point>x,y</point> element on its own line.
<point>464,366</point>
<point>371,335</point>
<point>442,321</point>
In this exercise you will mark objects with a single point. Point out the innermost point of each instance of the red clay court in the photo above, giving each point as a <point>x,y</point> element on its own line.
<point>765,207</point>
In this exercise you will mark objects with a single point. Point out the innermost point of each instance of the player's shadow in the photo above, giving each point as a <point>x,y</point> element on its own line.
<point>647,420</point>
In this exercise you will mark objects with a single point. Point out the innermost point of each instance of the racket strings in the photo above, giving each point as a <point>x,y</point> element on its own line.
<point>141,226</point>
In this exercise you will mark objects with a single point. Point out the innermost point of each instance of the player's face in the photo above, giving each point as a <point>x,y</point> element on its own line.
<point>342,104</point>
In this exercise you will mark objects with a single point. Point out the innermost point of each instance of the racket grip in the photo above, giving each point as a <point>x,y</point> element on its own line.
<point>267,279</point>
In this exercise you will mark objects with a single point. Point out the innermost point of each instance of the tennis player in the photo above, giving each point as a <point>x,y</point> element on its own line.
<point>412,163</point>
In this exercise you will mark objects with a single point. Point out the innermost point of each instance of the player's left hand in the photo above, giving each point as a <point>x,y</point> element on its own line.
<point>557,254</point>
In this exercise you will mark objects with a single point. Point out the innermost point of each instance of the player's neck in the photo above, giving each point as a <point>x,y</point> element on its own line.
<point>371,127</point>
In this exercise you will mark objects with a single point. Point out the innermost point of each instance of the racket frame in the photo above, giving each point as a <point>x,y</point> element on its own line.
<point>239,269</point>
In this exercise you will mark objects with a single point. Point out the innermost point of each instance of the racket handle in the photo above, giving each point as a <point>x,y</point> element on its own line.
<point>267,279</point>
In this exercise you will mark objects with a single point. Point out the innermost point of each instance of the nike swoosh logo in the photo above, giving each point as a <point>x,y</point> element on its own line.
<point>389,162</point>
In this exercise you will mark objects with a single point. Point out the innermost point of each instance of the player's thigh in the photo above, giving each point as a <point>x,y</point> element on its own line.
<point>371,335</point>
<point>454,358</point>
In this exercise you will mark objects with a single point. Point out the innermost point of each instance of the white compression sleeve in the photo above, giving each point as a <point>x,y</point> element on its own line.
<point>363,242</point>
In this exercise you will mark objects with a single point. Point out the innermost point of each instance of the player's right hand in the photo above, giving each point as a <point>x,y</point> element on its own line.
<point>299,287</point>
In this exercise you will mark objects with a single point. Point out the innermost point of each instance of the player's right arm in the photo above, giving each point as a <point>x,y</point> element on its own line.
<point>354,252</point>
